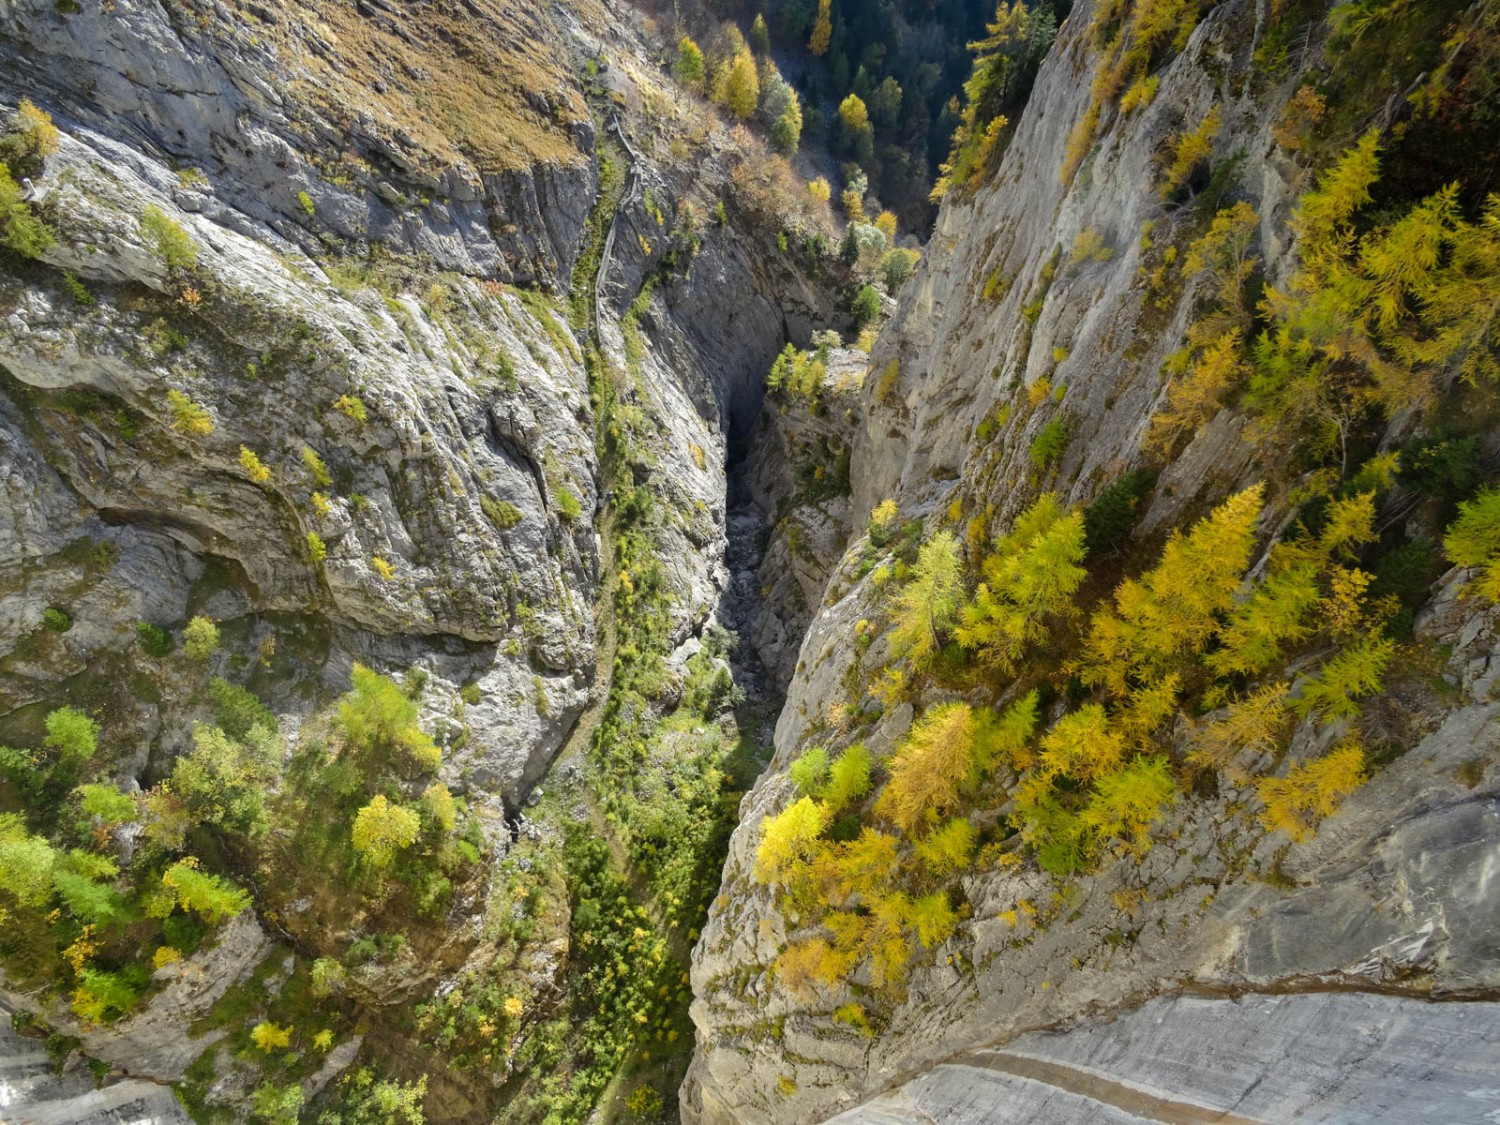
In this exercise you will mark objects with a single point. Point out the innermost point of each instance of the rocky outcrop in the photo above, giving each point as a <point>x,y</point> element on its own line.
<point>35,1090</point>
<point>434,489</point>
<point>310,123</point>
<point>154,1043</point>
<point>1185,1060</point>
<point>799,474</point>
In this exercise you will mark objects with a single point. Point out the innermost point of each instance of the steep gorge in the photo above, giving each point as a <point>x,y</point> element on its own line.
<point>519,303</point>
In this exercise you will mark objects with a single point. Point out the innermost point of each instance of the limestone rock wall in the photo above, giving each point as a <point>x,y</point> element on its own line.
<point>482,163</point>
<point>1325,1056</point>
<point>1381,899</point>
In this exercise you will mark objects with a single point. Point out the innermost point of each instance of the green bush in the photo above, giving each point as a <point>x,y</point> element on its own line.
<point>502,513</point>
<point>72,734</point>
<point>568,506</point>
<point>78,290</point>
<point>898,266</point>
<point>107,803</point>
<point>58,620</point>
<point>102,997</point>
<point>1447,468</point>
<point>171,244</point>
<point>24,233</point>
<point>809,773</point>
<point>866,305</point>
<point>236,709</point>
<point>200,639</point>
<point>1050,443</point>
<point>315,467</point>
<point>155,640</point>
<point>327,977</point>
<point>278,1105</point>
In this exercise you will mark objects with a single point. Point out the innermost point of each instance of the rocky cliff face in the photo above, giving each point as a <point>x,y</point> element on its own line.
<point>455,397</point>
<point>1034,305</point>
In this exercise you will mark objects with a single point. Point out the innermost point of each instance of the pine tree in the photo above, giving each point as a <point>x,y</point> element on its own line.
<point>1322,218</point>
<point>1191,149</point>
<point>1015,41</point>
<point>1149,706</point>
<point>786,127</point>
<point>379,720</point>
<point>809,772</point>
<point>885,104</point>
<point>1195,399</point>
<point>1223,255</point>
<point>878,936</point>
<point>1249,726</point>
<point>865,866</point>
<point>932,918</point>
<point>760,35</point>
<point>212,898</point>
<point>381,829</point>
<point>1172,611</point>
<point>1311,790</point>
<point>804,963</point>
<point>689,65</point>
<point>849,777</point>
<point>1354,673</point>
<point>946,850</point>
<point>1351,524</point>
<point>1276,614</point>
<point>72,734</point>
<point>789,840</point>
<point>1032,576</point>
<point>822,29</point>
<point>1128,800</point>
<point>1056,834</point>
<point>742,86</point>
<point>26,862</point>
<point>942,759</point>
<point>924,609</point>
<point>1473,540</point>
<point>1082,745</point>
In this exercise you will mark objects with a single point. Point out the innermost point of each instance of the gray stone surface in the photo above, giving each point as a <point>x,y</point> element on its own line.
<point>153,1042</point>
<point>1394,891</point>
<point>35,1092</point>
<point>1329,1058</point>
<point>269,107</point>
